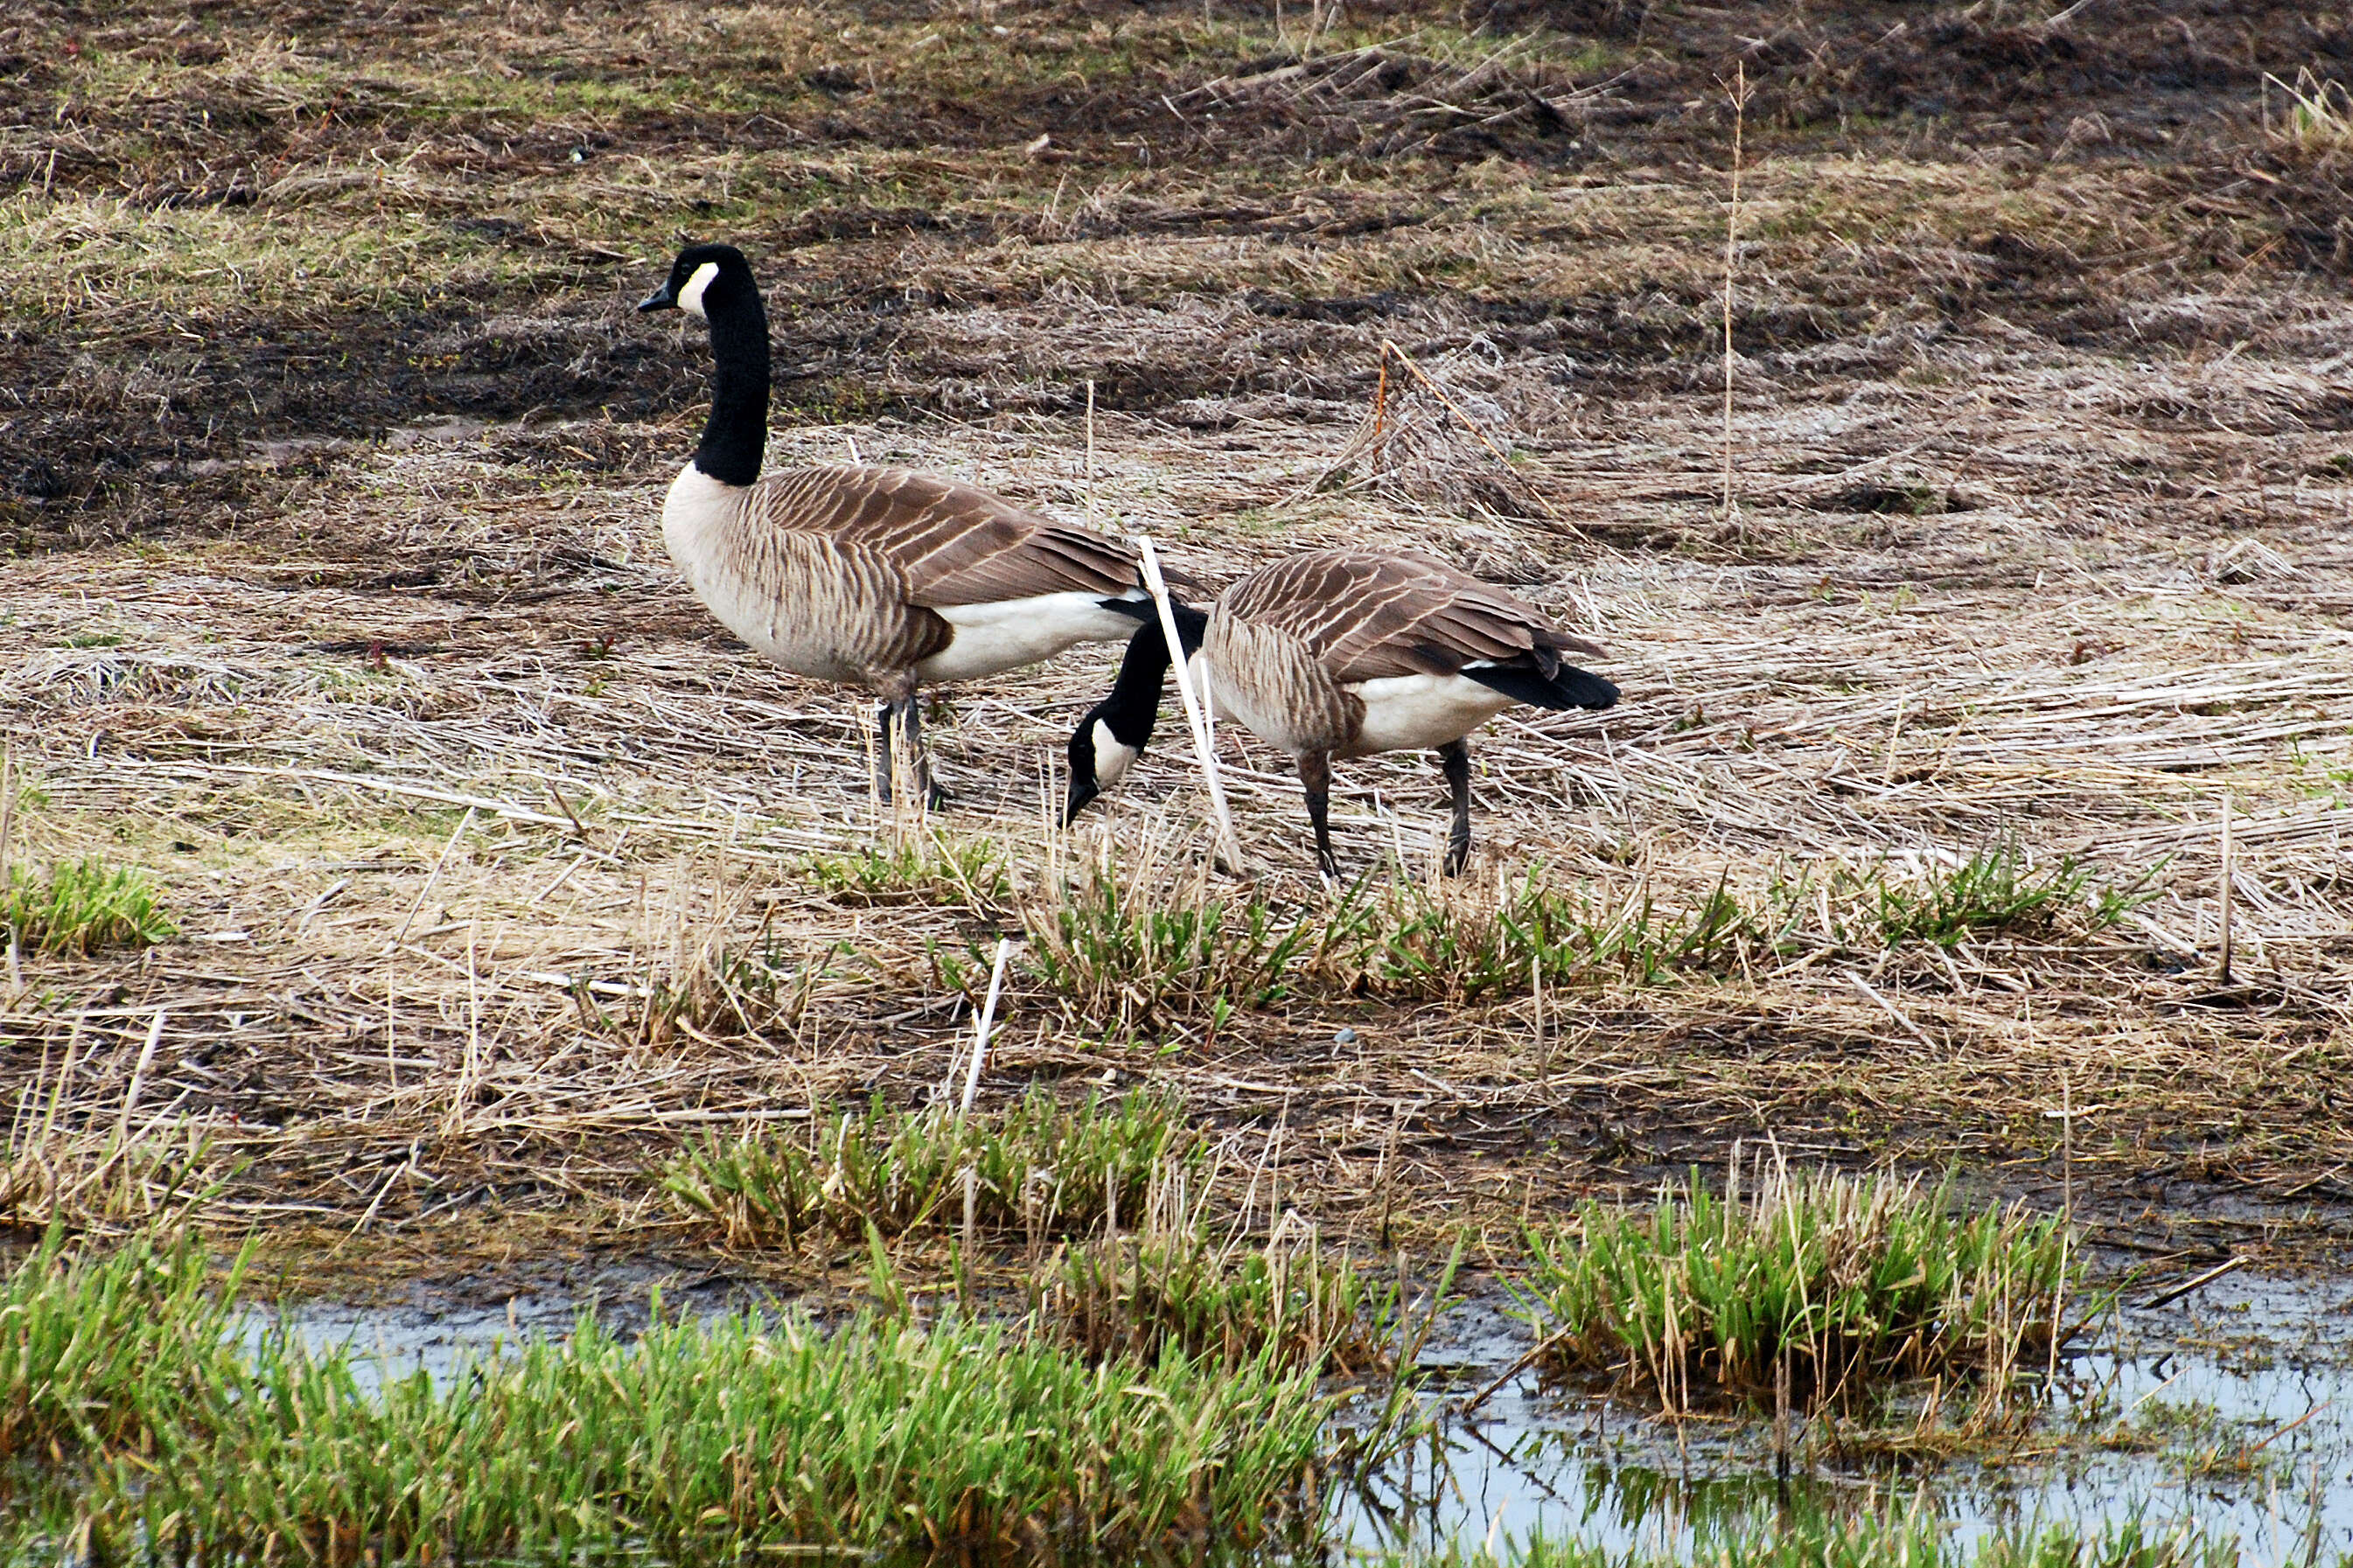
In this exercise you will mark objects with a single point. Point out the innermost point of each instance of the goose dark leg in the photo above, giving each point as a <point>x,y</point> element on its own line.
<point>1315,773</point>
<point>1454,757</point>
<point>903,719</point>
<point>882,718</point>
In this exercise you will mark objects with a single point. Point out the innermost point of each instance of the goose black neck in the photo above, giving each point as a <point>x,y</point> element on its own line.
<point>737,431</point>
<point>1134,705</point>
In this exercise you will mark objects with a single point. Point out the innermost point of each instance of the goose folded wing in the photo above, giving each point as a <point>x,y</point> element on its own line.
<point>1368,616</point>
<point>1001,563</point>
<point>955,543</point>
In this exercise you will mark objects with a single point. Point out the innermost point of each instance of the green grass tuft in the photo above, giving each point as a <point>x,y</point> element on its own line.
<point>82,906</point>
<point>930,870</point>
<point>105,1349</point>
<point>701,1439</point>
<point>1036,1167</point>
<point>1413,945</point>
<point>1138,954</point>
<point>1228,1301</point>
<point>1144,953</point>
<point>1994,890</point>
<point>2315,115</point>
<point>711,1440</point>
<point>1855,1281</point>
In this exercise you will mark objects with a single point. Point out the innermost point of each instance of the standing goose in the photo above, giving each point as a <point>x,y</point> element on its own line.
<point>874,577</point>
<point>1344,653</point>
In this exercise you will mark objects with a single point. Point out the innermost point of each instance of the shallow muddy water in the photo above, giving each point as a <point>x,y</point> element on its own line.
<point>2232,1409</point>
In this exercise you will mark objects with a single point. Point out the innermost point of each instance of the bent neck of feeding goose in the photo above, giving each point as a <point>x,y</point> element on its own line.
<point>1116,730</point>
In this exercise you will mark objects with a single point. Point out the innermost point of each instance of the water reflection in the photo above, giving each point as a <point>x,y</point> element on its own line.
<point>2234,1412</point>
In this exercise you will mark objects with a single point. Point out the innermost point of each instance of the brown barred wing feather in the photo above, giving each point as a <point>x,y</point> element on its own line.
<point>1369,616</point>
<point>953,543</point>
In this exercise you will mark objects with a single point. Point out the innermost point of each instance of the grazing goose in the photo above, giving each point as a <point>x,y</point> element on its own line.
<point>874,578</point>
<point>1342,653</point>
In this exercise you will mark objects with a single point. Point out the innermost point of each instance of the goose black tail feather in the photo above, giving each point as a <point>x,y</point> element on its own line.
<point>1567,686</point>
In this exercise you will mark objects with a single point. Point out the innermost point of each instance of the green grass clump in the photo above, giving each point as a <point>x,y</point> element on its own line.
<point>1230,1301</point>
<point>1144,953</point>
<point>1037,1166</point>
<point>1884,905</point>
<point>932,871</point>
<point>2315,115</point>
<point>711,1440</point>
<point>105,1349</point>
<point>82,906</point>
<point>1994,890</point>
<point>1412,943</point>
<point>1147,951</point>
<point>703,1440</point>
<point>1854,1281</point>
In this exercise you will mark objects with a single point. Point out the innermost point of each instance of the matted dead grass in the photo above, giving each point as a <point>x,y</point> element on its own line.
<point>444,775</point>
<point>472,819</point>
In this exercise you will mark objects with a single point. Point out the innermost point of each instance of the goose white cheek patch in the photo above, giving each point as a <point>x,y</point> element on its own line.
<point>689,299</point>
<point>1113,758</point>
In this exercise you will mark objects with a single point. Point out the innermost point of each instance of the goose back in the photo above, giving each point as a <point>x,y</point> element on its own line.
<point>1353,652</point>
<point>878,577</point>
<point>1370,614</point>
<point>955,543</point>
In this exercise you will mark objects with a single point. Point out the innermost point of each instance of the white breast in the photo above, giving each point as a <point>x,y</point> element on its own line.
<point>699,520</point>
<point>697,512</point>
<point>702,526</point>
<point>1420,712</point>
<point>1011,632</point>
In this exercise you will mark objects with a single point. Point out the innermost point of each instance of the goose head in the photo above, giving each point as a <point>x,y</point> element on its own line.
<point>1099,760</point>
<point>702,274</point>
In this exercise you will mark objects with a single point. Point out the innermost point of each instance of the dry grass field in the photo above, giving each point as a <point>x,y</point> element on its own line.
<point>332,455</point>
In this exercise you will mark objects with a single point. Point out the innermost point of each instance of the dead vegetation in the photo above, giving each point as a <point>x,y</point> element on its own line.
<point>500,875</point>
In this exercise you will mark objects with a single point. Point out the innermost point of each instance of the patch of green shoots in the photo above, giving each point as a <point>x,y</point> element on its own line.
<point>82,906</point>
<point>1231,1301</point>
<point>105,1348</point>
<point>1460,945</point>
<point>929,869</point>
<point>1886,904</point>
<point>1035,1166</point>
<point>1151,950</point>
<point>1142,954</point>
<point>1852,1282</point>
<point>1994,890</point>
<point>1139,953</point>
<point>698,1440</point>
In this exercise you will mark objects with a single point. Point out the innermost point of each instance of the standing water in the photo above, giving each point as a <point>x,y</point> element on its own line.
<point>2231,1410</point>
